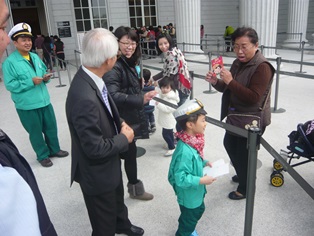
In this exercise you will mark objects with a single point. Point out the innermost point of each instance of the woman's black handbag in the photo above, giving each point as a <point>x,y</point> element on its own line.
<point>245,120</point>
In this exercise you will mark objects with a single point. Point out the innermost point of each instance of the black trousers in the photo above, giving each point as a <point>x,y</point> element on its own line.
<point>107,212</point>
<point>167,134</point>
<point>228,44</point>
<point>237,150</point>
<point>61,58</point>
<point>130,163</point>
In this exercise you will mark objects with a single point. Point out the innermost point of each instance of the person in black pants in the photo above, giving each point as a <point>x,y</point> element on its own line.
<point>47,53</point>
<point>125,86</point>
<point>245,89</point>
<point>58,51</point>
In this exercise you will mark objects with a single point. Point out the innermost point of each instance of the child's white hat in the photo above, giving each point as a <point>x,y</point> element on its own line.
<point>190,107</point>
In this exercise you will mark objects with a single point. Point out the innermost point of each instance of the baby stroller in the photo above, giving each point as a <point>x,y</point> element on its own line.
<point>301,145</point>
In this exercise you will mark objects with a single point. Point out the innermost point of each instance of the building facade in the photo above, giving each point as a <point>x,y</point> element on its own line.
<point>69,19</point>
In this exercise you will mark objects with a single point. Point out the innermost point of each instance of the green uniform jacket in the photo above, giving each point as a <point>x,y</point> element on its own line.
<point>18,78</point>
<point>229,31</point>
<point>186,169</point>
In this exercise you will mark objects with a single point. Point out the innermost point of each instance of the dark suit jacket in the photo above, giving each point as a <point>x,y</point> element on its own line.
<point>95,143</point>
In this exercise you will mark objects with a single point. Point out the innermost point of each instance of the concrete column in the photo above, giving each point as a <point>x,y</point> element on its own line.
<point>297,22</point>
<point>188,23</point>
<point>261,15</point>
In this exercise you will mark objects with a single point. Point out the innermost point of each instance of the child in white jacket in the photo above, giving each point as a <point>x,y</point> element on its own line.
<point>165,117</point>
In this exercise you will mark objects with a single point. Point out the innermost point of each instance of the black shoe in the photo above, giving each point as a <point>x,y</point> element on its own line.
<point>133,231</point>
<point>61,153</point>
<point>46,162</point>
<point>236,196</point>
<point>153,128</point>
<point>235,179</point>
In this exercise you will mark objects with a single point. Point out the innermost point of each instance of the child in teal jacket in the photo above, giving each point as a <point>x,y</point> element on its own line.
<point>186,167</point>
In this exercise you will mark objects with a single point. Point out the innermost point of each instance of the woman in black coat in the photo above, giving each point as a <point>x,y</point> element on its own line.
<point>125,85</point>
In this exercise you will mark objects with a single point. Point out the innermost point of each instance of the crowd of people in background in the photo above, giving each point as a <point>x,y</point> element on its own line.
<point>50,48</point>
<point>149,34</point>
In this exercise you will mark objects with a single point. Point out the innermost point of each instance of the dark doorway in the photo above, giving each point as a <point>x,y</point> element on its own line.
<point>28,15</point>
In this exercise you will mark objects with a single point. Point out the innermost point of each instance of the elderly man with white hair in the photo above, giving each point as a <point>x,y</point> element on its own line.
<point>98,136</point>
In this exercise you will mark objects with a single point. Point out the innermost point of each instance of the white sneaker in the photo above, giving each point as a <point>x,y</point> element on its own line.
<point>169,153</point>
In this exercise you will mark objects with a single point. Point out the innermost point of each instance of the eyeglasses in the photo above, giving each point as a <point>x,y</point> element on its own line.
<point>201,106</point>
<point>244,48</point>
<point>128,44</point>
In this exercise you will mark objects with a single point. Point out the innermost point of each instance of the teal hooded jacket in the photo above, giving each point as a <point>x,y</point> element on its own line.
<point>185,172</point>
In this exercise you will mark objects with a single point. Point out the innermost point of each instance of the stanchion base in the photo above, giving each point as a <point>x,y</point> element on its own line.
<point>140,151</point>
<point>298,72</point>
<point>209,92</point>
<point>280,110</point>
<point>61,85</point>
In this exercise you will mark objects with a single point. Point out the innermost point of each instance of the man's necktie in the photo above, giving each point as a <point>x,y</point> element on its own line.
<point>105,97</point>
<point>106,101</point>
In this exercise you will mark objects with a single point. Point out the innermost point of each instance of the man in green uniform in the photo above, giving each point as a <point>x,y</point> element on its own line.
<point>227,36</point>
<point>26,78</point>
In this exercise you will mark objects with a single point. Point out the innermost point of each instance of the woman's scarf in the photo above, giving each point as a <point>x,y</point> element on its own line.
<point>176,64</point>
<point>197,142</point>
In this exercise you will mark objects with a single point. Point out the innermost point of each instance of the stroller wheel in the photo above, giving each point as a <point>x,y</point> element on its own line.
<point>276,179</point>
<point>277,165</point>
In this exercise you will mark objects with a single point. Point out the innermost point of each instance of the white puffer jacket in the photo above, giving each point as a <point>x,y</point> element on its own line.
<point>165,117</point>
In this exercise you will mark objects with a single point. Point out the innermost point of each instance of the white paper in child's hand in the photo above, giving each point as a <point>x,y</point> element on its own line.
<point>153,102</point>
<point>218,168</point>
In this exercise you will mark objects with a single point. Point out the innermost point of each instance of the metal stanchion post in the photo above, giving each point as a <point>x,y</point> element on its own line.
<point>69,73</point>
<point>162,57</point>
<point>253,146</point>
<point>262,49</point>
<point>141,67</point>
<point>192,80</point>
<point>218,46</point>
<point>210,91</point>
<point>76,63</point>
<point>140,151</point>
<point>274,110</point>
<point>59,75</point>
<point>300,45</point>
<point>302,55</point>
<point>51,63</point>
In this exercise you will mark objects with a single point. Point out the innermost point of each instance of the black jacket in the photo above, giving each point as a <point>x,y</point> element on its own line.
<point>125,88</point>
